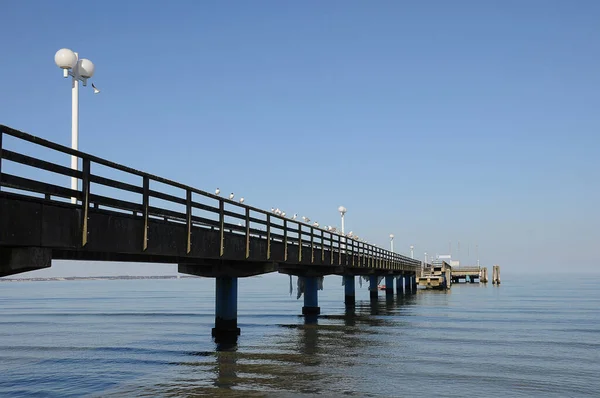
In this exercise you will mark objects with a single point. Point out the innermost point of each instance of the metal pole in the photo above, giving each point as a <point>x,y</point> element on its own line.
<point>74,128</point>
<point>392,244</point>
<point>343,223</point>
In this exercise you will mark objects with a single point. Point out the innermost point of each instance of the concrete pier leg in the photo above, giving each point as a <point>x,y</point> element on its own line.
<point>311,297</point>
<point>413,280</point>
<point>226,309</point>
<point>373,287</point>
<point>349,290</point>
<point>389,285</point>
<point>400,285</point>
<point>407,284</point>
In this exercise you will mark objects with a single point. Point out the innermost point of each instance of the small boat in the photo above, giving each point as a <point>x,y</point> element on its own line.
<point>381,287</point>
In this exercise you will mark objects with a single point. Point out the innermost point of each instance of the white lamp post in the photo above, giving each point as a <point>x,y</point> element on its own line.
<point>412,253</point>
<point>78,69</point>
<point>342,211</point>
<point>392,243</point>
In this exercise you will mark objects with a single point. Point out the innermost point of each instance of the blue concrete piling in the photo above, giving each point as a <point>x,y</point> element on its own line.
<point>349,290</point>
<point>400,285</point>
<point>389,285</point>
<point>311,296</point>
<point>407,284</point>
<point>226,309</point>
<point>373,287</point>
<point>414,283</point>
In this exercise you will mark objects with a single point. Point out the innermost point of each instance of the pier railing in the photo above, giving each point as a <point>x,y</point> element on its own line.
<point>114,187</point>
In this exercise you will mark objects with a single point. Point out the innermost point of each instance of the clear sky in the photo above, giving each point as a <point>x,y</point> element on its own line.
<point>439,121</point>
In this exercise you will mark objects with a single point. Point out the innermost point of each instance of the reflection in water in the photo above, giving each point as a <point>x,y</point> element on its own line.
<point>304,358</point>
<point>226,361</point>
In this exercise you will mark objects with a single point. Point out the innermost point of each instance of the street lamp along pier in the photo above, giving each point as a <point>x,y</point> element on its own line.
<point>80,70</point>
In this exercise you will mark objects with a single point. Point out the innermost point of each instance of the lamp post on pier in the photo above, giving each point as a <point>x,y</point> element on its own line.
<point>392,243</point>
<point>342,211</point>
<point>80,70</point>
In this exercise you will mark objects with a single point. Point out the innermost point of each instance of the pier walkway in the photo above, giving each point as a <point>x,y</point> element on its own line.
<point>122,214</point>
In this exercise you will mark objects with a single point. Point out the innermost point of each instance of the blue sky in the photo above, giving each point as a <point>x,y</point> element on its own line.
<point>438,121</point>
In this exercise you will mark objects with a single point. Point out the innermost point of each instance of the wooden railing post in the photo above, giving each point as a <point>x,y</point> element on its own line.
<point>188,216</point>
<point>85,200</point>
<point>221,227</point>
<point>285,240</point>
<point>312,245</point>
<point>330,248</point>
<point>268,236</point>
<point>1,135</point>
<point>146,205</point>
<point>247,232</point>
<point>299,242</point>
<point>322,249</point>
<point>339,239</point>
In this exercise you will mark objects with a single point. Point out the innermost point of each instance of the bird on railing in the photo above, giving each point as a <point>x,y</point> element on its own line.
<point>241,200</point>
<point>283,214</point>
<point>217,191</point>
<point>277,211</point>
<point>350,234</point>
<point>231,195</point>
<point>272,210</point>
<point>316,224</point>
<point>294,216</point>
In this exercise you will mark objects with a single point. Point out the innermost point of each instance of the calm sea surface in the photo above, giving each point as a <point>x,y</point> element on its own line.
<point>527,338</point>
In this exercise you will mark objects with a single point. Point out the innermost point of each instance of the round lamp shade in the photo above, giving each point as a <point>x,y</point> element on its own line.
<point>85,68</point>
<point>65,58</point>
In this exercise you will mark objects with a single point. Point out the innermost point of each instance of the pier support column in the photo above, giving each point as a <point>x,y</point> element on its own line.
<point>407,284</point>
<point>389,285</point>
<point>311,297</point>
<point>373,287</point>
<point>349,290</point>
<point>400,285</point>
<point>226,309</point>
<point>413,280</point>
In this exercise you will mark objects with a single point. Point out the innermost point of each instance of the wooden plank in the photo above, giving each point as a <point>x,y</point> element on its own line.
<point>202,206</point>
<point>26,184</point>
<point>188,215</point>
<point>167,197</point>
<point>115,203</point>
<point>40,164</point>
<point>116,184</point>
<point>85,200</point>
